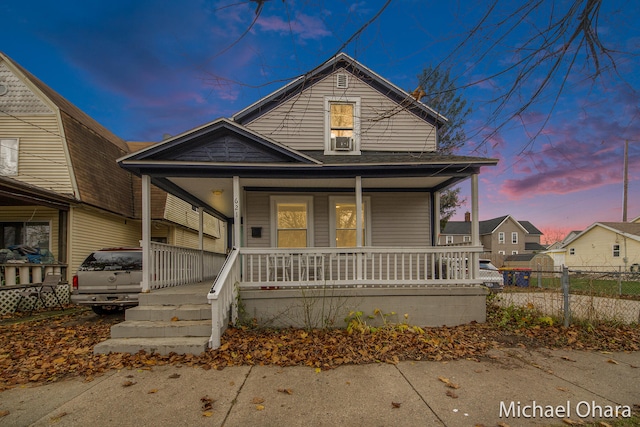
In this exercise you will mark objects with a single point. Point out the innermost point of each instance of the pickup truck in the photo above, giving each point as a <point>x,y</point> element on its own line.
<point>109,280</point>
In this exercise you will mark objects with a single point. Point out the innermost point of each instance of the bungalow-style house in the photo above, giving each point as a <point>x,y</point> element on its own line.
<point>330,186</point>
<point>605,246</point>
<point>62,192</point>
<point>499,236</point>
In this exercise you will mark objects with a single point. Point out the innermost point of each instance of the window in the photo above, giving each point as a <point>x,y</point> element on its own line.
<point>34,234</point>
<point>342,125</point>
<point>501,237</point>
<point>514,252</point>
<point>466,238</point>
<point>343,222</point>
<point>616,251</point>
<point>514,238</point>
<point>572,251</point>
<point>449,240</point>
<point>502,252</point>
<point>291,221</point>
<point>8,157</point>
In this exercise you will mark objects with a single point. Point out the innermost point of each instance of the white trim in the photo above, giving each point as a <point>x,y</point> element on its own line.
<point>333,200</point>
<point>501,237</point>
<point>514,234</point>
<point>355,101</point>
<point>274,200</point>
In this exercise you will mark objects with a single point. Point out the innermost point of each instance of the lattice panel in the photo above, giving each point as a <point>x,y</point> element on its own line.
<point>10,297</point>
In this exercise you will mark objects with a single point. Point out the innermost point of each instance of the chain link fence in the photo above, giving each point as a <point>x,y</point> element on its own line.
<point>587,294</point>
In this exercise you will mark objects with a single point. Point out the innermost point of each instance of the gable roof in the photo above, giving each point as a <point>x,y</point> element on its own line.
<point>627,229</point>
<point>92,151</point>
<point>487,226</point>
<point>341,61</point>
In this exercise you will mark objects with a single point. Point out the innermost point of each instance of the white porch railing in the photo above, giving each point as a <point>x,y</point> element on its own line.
<point>175,266</point>
<point>223,297</point>
<point>441,265</point>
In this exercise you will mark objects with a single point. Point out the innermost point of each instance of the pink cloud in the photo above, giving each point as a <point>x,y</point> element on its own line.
<point>305,26</point>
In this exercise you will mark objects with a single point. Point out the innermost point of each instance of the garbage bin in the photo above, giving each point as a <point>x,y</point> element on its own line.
<point>516,276</point>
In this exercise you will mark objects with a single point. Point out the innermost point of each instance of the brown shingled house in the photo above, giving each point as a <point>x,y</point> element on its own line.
<point>61,188</point>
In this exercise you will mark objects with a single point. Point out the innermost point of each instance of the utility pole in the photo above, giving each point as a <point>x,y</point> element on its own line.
<point>625,180</point>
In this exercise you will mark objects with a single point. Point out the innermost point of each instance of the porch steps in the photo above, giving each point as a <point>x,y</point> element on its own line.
<point>168,320</point>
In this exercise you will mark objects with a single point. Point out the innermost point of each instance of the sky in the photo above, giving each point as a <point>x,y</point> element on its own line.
<point>146,69</point>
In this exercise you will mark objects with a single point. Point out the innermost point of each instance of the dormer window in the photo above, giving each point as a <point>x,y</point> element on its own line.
<point>342,126</point>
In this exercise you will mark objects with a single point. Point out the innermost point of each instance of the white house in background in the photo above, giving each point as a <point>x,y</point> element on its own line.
<point>606,246</point>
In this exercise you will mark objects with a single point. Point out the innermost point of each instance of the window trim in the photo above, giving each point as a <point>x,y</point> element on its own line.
<point>615,251</point>
<point>273,217</point>
<point>448,240</point>
<point>514,237</point>
<point>501,237</point>
<point>328,100</point>
<point>466,239</point>
<point>333,200</point>
<point>572,251</point>
<point>17,156</point>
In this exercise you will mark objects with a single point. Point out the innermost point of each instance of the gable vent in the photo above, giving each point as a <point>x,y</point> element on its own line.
<point>342,81</point>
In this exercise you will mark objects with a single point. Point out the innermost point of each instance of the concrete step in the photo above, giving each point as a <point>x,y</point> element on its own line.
<point>168,312</point>
<point>162,346</point>
<point>161,329</point>
<point>175,297</point>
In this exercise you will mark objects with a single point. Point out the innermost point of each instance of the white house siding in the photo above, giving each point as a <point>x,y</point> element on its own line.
<point>594,250</point>
<point>91,229</point>
<point>180,212</point>
<point>299,122</point>
<point>34,214</point>
<point>186,238</point>
<point>397,219</point>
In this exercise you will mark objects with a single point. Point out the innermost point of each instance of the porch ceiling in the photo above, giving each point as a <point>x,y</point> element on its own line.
<point>218,192</point>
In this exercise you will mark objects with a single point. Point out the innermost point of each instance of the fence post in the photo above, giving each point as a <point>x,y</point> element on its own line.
<point>619,280</point>
<point>539,275</point>
<point>565,292</point>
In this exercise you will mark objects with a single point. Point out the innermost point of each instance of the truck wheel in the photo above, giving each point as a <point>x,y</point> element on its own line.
<point>104,310</point>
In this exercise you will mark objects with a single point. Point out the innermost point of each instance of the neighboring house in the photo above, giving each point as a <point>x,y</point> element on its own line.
<point>61,189</point>
<point>331,181</point>
<point>499,236</point>
<point>605,246</point>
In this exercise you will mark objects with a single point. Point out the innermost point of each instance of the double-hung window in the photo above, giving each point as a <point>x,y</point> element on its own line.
<point>616,251</point>
<point>343,220</point>
<point>342,125</point>
<point>9,156</point>
<point>501,237</point>
<point>292,221</point>
<point>514,237</point>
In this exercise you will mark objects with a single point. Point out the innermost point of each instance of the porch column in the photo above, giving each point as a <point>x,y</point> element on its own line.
<point>436,218</point>
<point>475,225</point>
<point>201,240</point>
<point>146,233</point>
<point>359,222</point>
<point>236,212</point>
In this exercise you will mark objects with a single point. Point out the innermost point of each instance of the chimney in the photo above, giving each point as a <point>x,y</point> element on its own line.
<point>467,216</point>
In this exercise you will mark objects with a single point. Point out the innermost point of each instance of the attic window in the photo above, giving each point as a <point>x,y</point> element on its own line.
<point>3,89</point>
<point>342,126</point>
<point>342,81</point>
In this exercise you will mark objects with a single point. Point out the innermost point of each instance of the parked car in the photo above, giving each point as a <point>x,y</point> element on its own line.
<point>491,276</point>
<point>109,280</point>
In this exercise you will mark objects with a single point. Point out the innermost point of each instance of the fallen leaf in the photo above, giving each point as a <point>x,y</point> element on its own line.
<point>567,358</point>
<point>257,400</point>
<point>444,380</point>
<point>153,390</point>
<point>128,383</point>
<point>503,425</point>
<point>395,405</point>
<point>207,403</point>
<point>571,422</point>
<point>207,414</point>
<point>452,385</point>
<point>173,376</point>
<point>562,389</point>
<point>174,319</point>
<point>452,394</point>
<point>57,418</point>
<point>4,413</point>
<point>285,390</point>
<point>612,361</point>
<point>259,407</point>
<point>318,370</point>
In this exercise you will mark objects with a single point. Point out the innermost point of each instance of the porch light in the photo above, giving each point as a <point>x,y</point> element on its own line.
<point>217,192</point>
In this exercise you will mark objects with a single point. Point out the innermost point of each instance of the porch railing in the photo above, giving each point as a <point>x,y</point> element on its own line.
<point>223,297</point>
<point>175,266</point>
<point>359,266</point>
